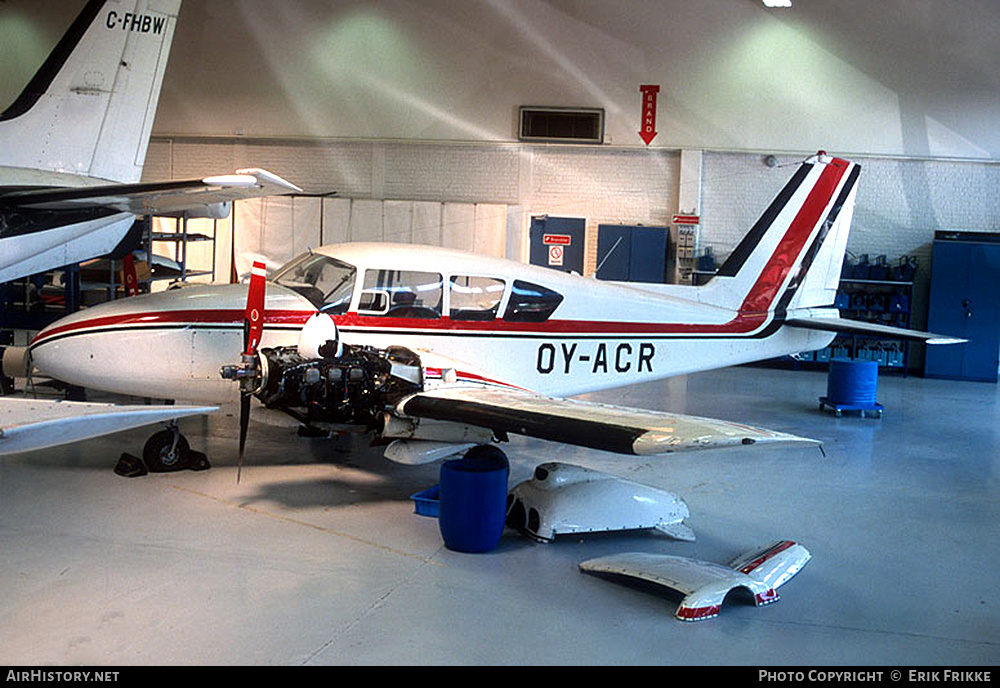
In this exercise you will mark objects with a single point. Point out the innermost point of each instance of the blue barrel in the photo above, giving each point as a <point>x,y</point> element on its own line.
<point>852,383</point>
<point>473,500</point>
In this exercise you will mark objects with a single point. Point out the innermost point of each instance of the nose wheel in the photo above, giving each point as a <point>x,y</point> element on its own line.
<point>166,450</point>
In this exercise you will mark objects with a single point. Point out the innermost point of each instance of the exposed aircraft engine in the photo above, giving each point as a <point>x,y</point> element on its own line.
<point>351,389</point>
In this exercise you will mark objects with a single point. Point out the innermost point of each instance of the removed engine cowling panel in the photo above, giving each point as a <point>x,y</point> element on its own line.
<point>705,584</point>
<point>562,498</point>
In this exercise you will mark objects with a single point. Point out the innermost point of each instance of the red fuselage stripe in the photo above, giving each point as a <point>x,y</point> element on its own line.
<point>213,317</point>
<point>741,324</point>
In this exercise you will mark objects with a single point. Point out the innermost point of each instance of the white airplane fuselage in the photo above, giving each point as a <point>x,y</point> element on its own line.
<point>484,320</point>
<point>600,335</point>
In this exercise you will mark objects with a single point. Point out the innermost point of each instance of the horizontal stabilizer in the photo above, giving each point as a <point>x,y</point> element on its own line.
<point>598,426</point>
<point>29,424</point>
<point>858,327</point>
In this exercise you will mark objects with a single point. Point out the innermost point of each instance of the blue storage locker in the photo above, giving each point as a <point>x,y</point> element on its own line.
<point>631,253</point>
<point>965,273</point>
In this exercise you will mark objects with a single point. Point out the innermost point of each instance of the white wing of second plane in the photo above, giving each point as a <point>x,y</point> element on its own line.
<point>29,424</point>
<point>598,426</point>
<point>154,198</point>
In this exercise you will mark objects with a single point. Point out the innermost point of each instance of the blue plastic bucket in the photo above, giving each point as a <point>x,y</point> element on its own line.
<point>473,500</point>
<point>852,383</point>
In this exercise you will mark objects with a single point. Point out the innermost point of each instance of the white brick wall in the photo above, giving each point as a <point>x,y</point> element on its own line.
<point>475,195</point>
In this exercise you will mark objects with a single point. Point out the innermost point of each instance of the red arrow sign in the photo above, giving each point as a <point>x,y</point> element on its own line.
<point>648,129</point>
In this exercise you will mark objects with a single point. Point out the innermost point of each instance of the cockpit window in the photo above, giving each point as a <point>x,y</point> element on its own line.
<point>531,303</point>
<point>327,283</point>
<point>401,294</point>
<point>474,298</point>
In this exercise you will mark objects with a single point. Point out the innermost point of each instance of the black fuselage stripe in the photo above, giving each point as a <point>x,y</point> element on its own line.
<point>149,328</point>
<point>541,337</point>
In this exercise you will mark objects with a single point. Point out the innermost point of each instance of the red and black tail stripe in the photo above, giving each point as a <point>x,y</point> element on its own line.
<point>734,263</point>
<point>781,307</point>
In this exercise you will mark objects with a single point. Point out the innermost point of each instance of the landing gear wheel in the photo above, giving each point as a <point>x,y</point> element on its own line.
<point>162,454</point>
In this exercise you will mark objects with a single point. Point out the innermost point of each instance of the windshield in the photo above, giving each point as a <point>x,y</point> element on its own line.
<point>327,283</point>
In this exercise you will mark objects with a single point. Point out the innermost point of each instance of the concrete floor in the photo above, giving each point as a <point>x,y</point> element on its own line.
<point>317,556</point>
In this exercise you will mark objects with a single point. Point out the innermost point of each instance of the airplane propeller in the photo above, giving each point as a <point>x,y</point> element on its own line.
<point>253,329</point>
<point>247,372</point>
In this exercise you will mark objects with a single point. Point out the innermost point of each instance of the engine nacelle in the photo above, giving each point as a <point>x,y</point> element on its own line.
<point>16,362</point>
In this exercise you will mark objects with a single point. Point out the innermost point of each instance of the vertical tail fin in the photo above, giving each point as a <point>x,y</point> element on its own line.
<point>89,109</point>
<point>792,256</point>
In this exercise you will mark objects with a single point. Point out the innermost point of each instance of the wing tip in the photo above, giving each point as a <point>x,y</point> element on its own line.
<point>658,442</point>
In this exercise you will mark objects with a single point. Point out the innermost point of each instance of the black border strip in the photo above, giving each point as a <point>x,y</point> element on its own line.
<point>541,337</point>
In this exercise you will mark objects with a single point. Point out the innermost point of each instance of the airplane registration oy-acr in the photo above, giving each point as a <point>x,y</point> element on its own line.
<point>435,350</point>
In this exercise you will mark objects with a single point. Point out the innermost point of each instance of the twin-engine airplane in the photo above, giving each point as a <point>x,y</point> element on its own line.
<point>72,149</point>
<point>435,350</point>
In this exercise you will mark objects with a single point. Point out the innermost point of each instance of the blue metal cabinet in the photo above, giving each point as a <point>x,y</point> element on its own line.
<point>965,302</point>
<point>628,253</point>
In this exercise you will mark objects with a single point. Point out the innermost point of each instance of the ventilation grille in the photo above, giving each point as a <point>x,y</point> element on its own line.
<point>562,125</point>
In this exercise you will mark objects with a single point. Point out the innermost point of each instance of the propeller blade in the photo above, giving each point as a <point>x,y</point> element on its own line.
<point>244,424</point>
<point>253,329</point>
<point>254,316</point>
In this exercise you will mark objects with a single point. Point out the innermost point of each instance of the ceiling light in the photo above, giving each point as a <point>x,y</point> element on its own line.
<point>777,3</point>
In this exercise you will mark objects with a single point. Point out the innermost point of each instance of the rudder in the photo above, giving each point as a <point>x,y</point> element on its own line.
<point>793,254</point>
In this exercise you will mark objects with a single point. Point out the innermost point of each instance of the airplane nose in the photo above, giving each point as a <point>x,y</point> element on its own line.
<point>89,346</point>
<point>167,345</point>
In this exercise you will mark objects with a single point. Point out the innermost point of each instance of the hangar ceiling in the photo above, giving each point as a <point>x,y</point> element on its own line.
<point>897,77</point>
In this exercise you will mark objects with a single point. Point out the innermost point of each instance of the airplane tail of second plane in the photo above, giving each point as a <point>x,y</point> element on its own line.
<point>89,109</point>
<point>792,257</point>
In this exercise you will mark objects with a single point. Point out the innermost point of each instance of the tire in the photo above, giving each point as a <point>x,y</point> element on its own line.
<point>157,455</point>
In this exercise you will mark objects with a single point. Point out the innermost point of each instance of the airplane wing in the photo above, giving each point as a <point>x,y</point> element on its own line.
<point>154,198</point>
<point>28,424</point>
<point>598,426</point>
<point>859,327</point>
